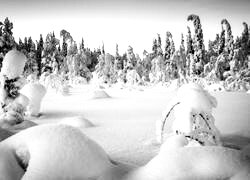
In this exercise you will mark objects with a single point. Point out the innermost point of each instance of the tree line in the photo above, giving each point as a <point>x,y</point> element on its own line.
<point>225,56</point>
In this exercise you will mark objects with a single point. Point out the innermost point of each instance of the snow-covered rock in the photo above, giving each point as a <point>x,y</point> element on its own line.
<point>13,64</point>
<point>35,92</point>
<point>77,121</point>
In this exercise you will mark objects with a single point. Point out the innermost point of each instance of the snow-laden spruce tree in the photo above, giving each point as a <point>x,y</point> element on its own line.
<point>229,41</point>
<point>169,46</point>
<point>7,41</point>
<point>11,81</point>
<point>193,115</point>
<point>199,48</point>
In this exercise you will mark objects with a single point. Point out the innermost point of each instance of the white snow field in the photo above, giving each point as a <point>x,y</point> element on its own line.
<point>124,126</point>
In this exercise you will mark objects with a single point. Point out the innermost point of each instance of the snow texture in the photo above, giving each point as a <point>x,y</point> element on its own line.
<point>13,64</point>
<point>63,152</point>
<point>53,152</point>
<point>77,121</point>
<point>126,131</point>
<point>35,92</point>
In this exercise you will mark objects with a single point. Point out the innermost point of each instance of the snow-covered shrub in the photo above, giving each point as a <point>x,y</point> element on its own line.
<point>13,64</point>
<point>35,92</point>
<point>193,115</point>
<point>132,77</point>
<point>10,84</point>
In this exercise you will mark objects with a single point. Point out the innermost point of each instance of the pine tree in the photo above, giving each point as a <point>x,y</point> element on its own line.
<point>82,45</point>
<point>229,41</point>
<point>154,47</point>
<point>190,48</point>
<point>103,50</point>
<point>7,41</point>
<point>159,49</point>
<point>39,54</point>
<point>64,48</point>
<point>221,42</point>
<point>244,40</point>
<point>169,47</point>
<point>30,44</point>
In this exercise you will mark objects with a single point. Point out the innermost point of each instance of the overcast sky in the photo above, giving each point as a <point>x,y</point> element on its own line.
<point>128,22</point>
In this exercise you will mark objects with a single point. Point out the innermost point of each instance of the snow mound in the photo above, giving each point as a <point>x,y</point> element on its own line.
<point>60,151</point>
<point>196,98</point>
<point>202,162</point>
<point>78,122</point>
<point>13,64</point>
<point>99,94</point>
<point>35,92</point>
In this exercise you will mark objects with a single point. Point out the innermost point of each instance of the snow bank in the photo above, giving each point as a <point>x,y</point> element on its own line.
<point>35,92</point>
<point>13,64</point>
<point>77,121</point>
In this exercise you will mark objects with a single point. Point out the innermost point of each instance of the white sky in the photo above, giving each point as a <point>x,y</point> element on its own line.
<point>129,22</point>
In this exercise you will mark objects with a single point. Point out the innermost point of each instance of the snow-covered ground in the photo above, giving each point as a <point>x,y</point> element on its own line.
<point>123,123</point>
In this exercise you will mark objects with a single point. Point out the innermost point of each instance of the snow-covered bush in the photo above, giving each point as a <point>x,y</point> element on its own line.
<point>13,64</point>
<point>10,84</point>
<point>35,92</point>
<point>193,115</point>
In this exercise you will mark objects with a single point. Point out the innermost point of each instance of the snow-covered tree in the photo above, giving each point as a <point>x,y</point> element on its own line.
<point>7,41</point>
<point>131,59</point>
<point>221,42</point>
<point>39,50</point>
<point>159,49</point>
<point>199,48</point>
<point>244,40</point>
<point>49,51</point>
<point>229,41</point>
<point>154,47</point>
<point>190,48</point>
<point>118,60</point>
<point>10,83</point>
<point>169,46</point>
